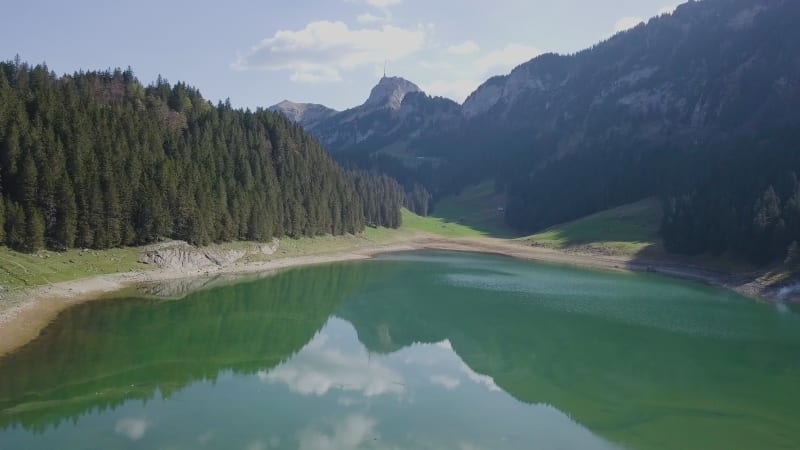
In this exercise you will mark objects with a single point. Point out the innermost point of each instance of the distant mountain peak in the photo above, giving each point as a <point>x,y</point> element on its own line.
<point>303,113</point>
<point>288,104</point>
<point>390,92</point>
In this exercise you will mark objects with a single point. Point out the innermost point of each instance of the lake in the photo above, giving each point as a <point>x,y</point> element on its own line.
<point>420,350</point>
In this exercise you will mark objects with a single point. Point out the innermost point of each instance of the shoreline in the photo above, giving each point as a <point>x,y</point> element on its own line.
<point>31,310</point>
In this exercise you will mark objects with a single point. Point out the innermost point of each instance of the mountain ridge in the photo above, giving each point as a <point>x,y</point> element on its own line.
<point>396,112</point>
<point>532,92</point>
<point>650,111</point>
<point>304,114</point>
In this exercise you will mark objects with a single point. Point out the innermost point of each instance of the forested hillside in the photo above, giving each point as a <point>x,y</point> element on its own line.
<point>616,122</point>
<point>743,197</point>
<point>96,159</point>
<point>696,107</point>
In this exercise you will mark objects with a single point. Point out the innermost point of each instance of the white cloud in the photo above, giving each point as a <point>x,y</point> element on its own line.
<point>309,73</point>
<point>506,58</point>
<point>370,18</point>
<point>321,367</point>
<point>485,380</point>
<point>627,23</point>
<point>464,80</point>
<point>457,90</point>
<point>667,10</point>
<point>438,66</point>
<point>465,48</point>
<point>133,429</point>
<point>445,344</point>
<point>446,382</point>
<point>347,434</point>
<point>383,3</point>
<point>322,50</point>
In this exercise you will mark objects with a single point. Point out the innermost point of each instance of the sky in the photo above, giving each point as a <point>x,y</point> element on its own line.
<point>259,52</point>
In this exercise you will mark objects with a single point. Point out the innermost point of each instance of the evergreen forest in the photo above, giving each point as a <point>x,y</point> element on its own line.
<point>99,160</point>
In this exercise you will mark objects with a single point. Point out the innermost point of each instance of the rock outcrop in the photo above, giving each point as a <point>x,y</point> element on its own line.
<point>181,256</point>
<point>389,93</point>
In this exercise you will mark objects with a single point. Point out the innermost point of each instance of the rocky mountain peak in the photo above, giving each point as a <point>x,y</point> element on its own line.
<point>294,111</point>
<point>390,92</point>
<point>306,114</point>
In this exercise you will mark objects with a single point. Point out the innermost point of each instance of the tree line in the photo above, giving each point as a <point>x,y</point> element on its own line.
<point>98,160</point>
<point>742,198</point>
<point>736,196</point>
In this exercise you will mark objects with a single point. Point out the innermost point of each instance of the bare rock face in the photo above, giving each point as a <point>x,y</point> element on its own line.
<point>483,99</point>
<point>390,92</point>
<point>180,256</point>
<point>269,249</point>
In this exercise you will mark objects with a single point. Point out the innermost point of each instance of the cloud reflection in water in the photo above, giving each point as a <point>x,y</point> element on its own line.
<point>322,366</point>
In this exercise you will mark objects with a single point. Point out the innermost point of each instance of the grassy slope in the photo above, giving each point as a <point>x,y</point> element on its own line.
<point>436,225</point>
<point>630,230</point>
<point>412,225</point>
<point>625,230</point>
<point>476,207</point>
<point>21,270</point>
<point>401,152</point>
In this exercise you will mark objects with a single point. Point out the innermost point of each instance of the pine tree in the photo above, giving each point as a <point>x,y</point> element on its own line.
<point>2,220</point>
<point>29,182</point>
<point>15,226</point>
<point>34,230</point>
<point>66,216</point>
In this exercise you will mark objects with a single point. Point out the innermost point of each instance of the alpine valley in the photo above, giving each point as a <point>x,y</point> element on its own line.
<point>697,107</point>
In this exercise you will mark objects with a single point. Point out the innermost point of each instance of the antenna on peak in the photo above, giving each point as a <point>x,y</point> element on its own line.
<point>384,68</point>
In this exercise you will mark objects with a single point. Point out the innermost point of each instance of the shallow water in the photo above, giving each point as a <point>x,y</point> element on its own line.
<point>415,350</point>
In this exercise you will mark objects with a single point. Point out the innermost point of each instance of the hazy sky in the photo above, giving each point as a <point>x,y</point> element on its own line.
<point>325,51</point>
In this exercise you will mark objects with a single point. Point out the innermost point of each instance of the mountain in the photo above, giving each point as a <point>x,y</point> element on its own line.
<point>396,115</point>
<point>389,93</point>
<point>698,107</point>
<point>684,107</point>
<point>305,114</point>
<point>711,67</point>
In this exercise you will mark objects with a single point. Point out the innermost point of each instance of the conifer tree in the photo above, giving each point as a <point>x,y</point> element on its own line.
<point>66,216</point>
<point>2,219</point>
<point>34,230</point>
<point>15,225</point>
